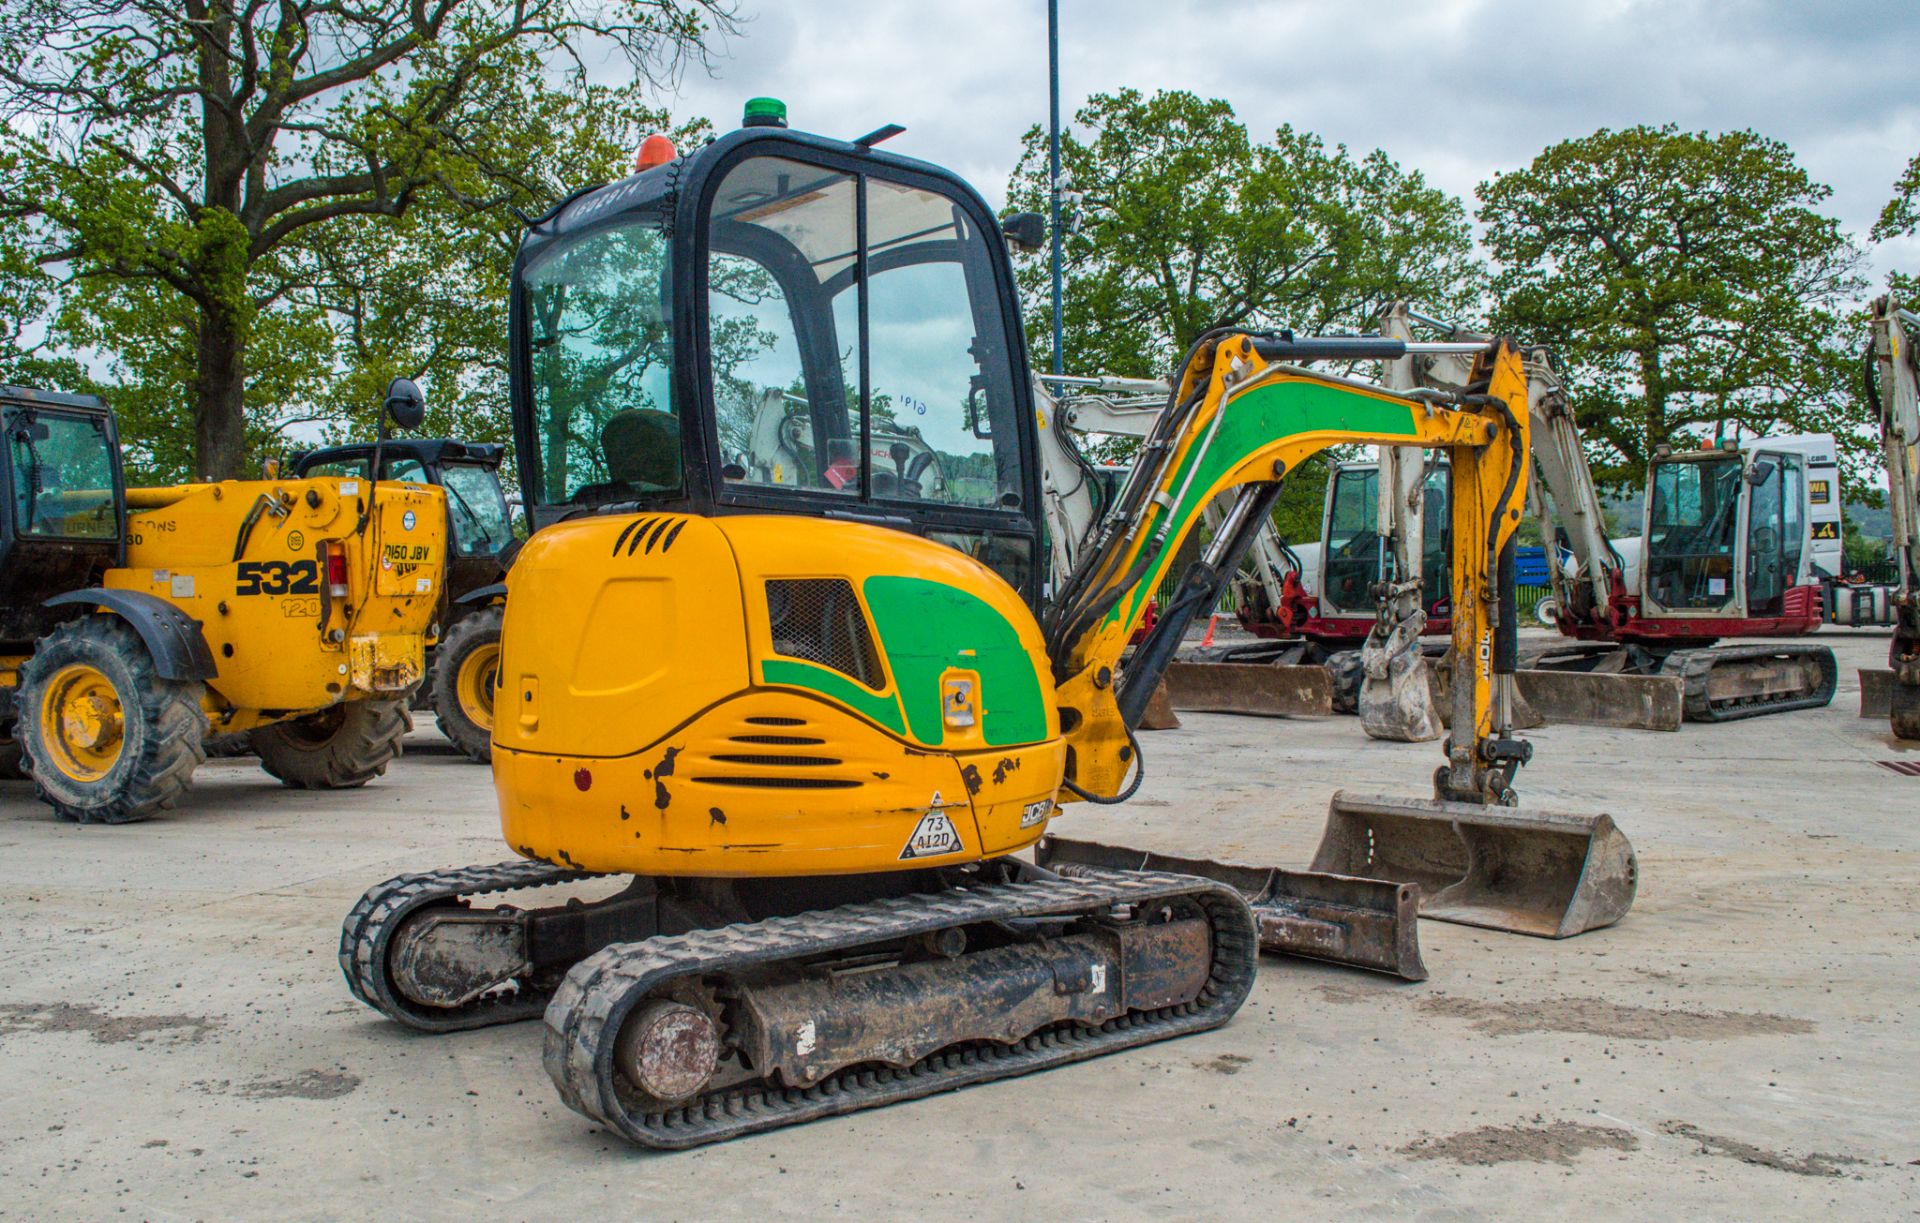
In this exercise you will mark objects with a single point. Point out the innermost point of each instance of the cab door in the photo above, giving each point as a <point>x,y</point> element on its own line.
<point>1775,530</point>
<point>862,343</point>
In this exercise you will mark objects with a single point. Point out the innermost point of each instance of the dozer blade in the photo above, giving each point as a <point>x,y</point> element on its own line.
<point>1589,698</point>
<point>1235,687</point>
<point>1876,692</point>
<point>1396,697</point>
<point>1362,923</point>
<point>1543,873</point>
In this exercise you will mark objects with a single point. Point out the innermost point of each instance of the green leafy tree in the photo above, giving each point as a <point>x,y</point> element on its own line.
<point>1186,223</point>
<point>193,159</point>
<point>1689,284</point>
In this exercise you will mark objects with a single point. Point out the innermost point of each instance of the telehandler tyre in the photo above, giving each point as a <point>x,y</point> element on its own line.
<point>336,749</point>
<point>464,666</point>
<point>106,740</point>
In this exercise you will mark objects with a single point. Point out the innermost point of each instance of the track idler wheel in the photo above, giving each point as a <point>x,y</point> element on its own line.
<point>667,1051</point>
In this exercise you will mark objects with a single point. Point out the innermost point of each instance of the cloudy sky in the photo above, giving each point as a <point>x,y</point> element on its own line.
<point>1457,88</point>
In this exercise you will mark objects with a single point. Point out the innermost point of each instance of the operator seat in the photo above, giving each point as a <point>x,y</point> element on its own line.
<point>642,451</point>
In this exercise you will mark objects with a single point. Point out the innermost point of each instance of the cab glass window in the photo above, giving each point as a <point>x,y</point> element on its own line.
<point>598,316</point>
<point>929,416</point>
<point>476,508</point>
<point>62,472</point>
<point>1692,523</point>
<point>1353,556</point>
<point>407,471</point>
<point>940,378</point>
<point>349,469</point>
<point>781,231</point>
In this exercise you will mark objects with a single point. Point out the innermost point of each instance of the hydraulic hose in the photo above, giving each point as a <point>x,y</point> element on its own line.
<point>1109,800</point>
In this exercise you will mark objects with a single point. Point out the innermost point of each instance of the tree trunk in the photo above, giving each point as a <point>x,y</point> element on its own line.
<point>1654,396</point>
<point>219,407</point>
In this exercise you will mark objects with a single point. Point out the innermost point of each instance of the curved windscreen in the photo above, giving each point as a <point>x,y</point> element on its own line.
<point>600,354</point>
<point>1692,522</point>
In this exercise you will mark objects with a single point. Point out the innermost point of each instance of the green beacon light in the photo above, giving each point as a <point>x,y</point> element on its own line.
<point>765,112</point>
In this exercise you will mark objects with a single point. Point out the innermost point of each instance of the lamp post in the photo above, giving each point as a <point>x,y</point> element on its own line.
<point>1053,173</point>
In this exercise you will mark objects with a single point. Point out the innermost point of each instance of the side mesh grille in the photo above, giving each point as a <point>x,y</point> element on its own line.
<point>819,619</point>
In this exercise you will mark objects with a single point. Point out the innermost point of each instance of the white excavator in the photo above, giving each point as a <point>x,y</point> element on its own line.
<point>1893,387</point>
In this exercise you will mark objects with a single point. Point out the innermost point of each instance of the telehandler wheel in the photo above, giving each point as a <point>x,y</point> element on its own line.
<point>464,669</point>
<point>106,740</point>
<point>335,749</point>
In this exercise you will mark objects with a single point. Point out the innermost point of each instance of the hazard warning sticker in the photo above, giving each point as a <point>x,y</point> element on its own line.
<point>933,836</point>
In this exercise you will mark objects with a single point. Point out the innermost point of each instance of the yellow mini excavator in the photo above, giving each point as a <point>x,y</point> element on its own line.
<point>810,710</point>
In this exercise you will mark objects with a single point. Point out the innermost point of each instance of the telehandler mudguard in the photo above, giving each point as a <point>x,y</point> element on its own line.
<point>179,648</point>
<point>1362,923</point>
<point>1256,688</point>
<point>1548,874</point>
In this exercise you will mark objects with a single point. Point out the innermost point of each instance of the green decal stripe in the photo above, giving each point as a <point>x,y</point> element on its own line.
<point>1255,420</point>
<point>924,626</point>
<point>874,707</point>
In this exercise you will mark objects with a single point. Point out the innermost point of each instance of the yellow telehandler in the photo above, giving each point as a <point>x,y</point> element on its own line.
<point>137,621</point>
<point>810,711</point>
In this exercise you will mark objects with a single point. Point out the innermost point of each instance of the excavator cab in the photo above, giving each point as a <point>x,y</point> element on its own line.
<point>776,326</point>
<point>1726,533</point>
<point>1356,553</point>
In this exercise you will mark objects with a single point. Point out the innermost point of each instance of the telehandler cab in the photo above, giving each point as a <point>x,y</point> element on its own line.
<point>461,666</point>
<point>136,621</point>
<point>812,721</point>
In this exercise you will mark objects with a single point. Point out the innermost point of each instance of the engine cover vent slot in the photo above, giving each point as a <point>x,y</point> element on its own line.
<point>819,619</point>
<point>777,762</point>
<point>777,740</point>
<point>781,783</point>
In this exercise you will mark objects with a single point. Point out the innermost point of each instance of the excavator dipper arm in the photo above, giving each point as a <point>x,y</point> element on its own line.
<point>1240,420</point>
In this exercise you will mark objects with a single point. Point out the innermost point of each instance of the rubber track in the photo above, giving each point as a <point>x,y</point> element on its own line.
<point>369,929</point>
<point>1694,666</point>
<point>586,1013</point>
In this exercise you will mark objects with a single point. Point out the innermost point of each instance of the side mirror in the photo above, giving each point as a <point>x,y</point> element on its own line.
<point>1025,231</point>
<point>405,405</point>
<point>1761,472</point>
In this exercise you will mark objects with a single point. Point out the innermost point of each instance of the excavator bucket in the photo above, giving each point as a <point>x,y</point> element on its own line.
<point>1362,923</point>
<point>1542,873</point>
<point>1396,697</point>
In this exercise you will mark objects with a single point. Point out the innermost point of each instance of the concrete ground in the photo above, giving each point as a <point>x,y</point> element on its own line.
<point>178,1043</point>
